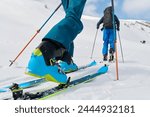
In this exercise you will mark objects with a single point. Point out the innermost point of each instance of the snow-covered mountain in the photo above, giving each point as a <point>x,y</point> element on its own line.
<point>19,20</point>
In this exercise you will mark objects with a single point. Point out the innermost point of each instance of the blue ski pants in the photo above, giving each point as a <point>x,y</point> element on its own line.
<point>108,38</point>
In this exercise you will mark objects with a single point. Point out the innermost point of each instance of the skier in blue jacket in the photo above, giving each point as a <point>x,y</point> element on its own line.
<point>109,36</point>
<point>58,45</point>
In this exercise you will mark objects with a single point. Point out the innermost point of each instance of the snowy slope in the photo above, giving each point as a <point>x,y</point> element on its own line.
<point>19,20</point>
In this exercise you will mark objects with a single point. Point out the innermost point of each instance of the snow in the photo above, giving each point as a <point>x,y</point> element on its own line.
<point>21,18</point>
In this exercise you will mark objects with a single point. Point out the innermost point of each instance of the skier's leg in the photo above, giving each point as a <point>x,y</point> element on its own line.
<point>105,43</point>
<point>65,4</point>
<point>71,49</point>
<point>75,8</point>
<point>67,29</point>
<point>112,45</point>
<point>63,33</point>
<point>112,40</point>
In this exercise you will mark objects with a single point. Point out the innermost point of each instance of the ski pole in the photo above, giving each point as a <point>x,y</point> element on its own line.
<point>38,31</point>
<point>121,47</point>
<point>116,55</point>
<point>94,43</point>
<point>114,30</point>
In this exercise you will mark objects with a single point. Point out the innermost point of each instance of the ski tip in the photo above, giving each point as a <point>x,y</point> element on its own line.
<point>92,63</point>
<point>103,69</point>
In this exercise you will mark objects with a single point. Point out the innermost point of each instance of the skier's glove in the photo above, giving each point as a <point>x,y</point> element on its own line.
<point>118,29</point>
<point>102,28</point>
<point>97,27</point>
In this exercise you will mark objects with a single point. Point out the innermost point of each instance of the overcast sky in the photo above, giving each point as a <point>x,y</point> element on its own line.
<point>124,9</point>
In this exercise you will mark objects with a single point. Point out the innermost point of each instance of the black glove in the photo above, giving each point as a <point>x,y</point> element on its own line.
<point>118,29</point>
<point>102,28</point>
<point>97,27</point>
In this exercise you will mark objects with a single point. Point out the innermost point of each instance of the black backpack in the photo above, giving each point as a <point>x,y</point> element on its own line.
<point>107,21</point>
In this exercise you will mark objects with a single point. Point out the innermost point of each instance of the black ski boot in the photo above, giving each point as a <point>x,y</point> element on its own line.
<point>111,55</point>
<point>105,57</point>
